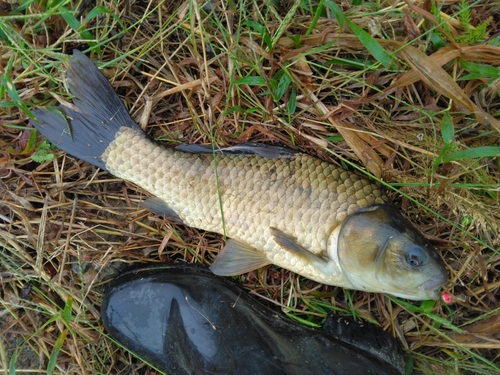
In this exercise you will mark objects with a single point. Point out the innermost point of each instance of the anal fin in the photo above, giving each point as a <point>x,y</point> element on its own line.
<point>237,258</point>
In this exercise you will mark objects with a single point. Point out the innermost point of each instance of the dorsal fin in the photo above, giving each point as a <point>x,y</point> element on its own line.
<point>261,149</point>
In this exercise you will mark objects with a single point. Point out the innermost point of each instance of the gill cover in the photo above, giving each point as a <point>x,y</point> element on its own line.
<point>379,250</point>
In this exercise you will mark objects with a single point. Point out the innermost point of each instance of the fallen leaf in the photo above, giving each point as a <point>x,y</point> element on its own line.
<point>364,151</point>
<point>440,81</point>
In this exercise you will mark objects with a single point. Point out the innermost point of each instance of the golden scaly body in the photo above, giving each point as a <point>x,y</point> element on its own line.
<point>300,195</point>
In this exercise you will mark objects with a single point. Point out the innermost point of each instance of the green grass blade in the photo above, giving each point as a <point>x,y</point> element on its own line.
<point>12,92</point>
<point>12,362</point>
<point>283,85</point>
<point>76,25</point>
<point>55,352</point>
<point>292,102</point>
<point>366,39</point>
<point>262,30</point>
<point>251,81</point>
<point>317,14</point>
<point>67,312</point>
<point>473,153</point>
<point>101,10</point>
<point>337,12</point>
<point>371,44</point>
<point>447,128</point>
<point>478,70</point>
<point>31,144</point>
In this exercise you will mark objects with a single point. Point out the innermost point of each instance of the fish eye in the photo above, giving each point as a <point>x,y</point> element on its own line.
<point>416,256</point>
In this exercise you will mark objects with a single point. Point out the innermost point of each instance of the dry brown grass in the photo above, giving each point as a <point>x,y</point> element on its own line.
<point>66,227</point>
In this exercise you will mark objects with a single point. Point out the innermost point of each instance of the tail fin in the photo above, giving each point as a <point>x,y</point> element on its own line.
<point>92,123</point>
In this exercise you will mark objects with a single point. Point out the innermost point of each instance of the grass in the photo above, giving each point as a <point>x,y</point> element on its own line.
<point>405,94</point>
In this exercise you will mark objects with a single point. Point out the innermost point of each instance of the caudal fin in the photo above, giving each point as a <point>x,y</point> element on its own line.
<point>95,118</point>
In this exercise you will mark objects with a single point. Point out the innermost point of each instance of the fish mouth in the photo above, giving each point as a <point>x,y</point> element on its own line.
<point>435,283</point>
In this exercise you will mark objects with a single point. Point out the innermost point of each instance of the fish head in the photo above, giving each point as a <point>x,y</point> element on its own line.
<point>380,251</point>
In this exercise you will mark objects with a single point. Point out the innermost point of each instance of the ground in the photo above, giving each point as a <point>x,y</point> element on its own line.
<point>405,92</point>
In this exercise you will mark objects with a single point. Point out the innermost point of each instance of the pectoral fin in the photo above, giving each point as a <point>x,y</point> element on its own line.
<point>159,207</point>
<point>237,258</point>
<point>289,243</point>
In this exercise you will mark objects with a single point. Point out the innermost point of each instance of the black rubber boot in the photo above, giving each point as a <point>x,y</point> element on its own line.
<point>185,320</point>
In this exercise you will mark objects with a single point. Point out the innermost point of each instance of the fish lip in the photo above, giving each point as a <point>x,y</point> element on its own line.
<point>433,284</point>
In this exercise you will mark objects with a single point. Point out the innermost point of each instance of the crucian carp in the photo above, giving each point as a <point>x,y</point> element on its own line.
<point>275,206</point>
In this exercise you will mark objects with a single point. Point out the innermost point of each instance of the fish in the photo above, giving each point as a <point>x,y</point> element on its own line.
<point>272,204</point>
